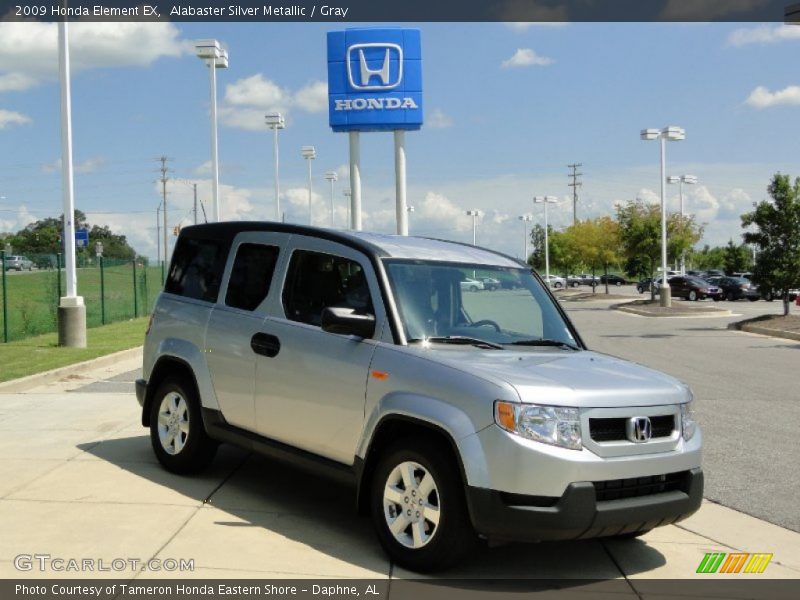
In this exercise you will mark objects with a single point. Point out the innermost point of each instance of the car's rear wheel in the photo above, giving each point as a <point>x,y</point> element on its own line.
<point>177,434</point>
<point>752,299</point>
<point>557,284</point>
<point>692,295</point>
<point>473,288</point>
<point>418,507</point>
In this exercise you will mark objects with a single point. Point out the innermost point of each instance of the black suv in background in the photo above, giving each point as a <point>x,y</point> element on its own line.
<point>735,288</point>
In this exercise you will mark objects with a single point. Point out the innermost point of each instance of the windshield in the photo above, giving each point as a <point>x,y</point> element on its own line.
<point>441,300</point>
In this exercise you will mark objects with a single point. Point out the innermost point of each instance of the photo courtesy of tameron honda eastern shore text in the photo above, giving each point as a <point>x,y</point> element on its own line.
<point>457,413</point>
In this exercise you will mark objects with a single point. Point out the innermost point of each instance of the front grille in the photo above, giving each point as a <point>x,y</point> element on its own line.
<point>612,430</point>
<point>617,489</point>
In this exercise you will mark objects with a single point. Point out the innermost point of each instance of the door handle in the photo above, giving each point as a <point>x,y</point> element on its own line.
<point>265,344</point>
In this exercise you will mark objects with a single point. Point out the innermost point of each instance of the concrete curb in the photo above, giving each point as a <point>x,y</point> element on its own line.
<point>643,312</point>
<point>752,327</point>
<point>31,381</point>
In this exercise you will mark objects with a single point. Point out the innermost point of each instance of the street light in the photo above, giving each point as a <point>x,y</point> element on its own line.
<point>215,58</point>
<point>309,153</point>
<point>474,214</point>
<point>275,122</point>
<point>525,219</point>
<point>688,180</point>
<point>332,177</point>
<point>347,194</point>
<point>546,200</point>
<point>672,134</point>
<point>409,209</point>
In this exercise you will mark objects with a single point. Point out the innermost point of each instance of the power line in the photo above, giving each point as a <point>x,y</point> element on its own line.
<point>575,185</point>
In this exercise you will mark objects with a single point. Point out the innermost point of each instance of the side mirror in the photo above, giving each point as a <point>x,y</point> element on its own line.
<point>346,321</point>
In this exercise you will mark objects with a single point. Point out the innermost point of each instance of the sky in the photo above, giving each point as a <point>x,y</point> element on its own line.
<point>508,107</point>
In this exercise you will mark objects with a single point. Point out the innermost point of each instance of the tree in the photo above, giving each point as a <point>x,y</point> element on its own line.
<point>564,254</point>
<point>597,243</point>
<point>536,257</point>
<point>736,258</point>
<point>709,258</point>
<point>777,237</point>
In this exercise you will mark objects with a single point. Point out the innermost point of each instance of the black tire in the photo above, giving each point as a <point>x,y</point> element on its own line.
<point>575,284</point>
<point>752,299</point>
<point>632,535</point>
<point>453,537</point>
<point>197,449</point>
<point>473,288</point>
<point>619,283</point>
<point>557,284</point>
<point>693,296</point>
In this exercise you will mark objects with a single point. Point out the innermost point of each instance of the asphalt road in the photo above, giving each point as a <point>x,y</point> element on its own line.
<point>746,391</point>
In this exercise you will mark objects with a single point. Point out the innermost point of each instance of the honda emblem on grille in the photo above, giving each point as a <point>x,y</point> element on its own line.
<point>639,429</point>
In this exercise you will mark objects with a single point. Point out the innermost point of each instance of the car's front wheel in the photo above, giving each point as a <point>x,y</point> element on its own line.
<point>418,507</point>
<point>692,295</point>
<point>176,428</point>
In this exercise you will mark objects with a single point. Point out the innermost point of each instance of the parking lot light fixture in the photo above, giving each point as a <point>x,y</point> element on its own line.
<point>680,180</point>
<point>332,177</point>
<point>474,214</point>
<point>215,57</point>
<point>546,200</point>
<point>275,121</point>
<point>666,134</point>
<point>525,233</point>
<point>309,153</point>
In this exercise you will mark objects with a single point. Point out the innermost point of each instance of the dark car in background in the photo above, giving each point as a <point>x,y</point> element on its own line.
<point>692,288</point>
<point>735,288</point>
<point>490,283</point>
<point>645,284</point>
<point>612,279</point>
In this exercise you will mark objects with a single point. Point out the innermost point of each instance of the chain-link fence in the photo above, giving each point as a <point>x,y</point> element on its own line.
<point>112,289</point>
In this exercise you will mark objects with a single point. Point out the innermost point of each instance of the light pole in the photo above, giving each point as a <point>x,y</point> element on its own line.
<point>409,209</point>
<point>309,153</point>
<point>275,122</point>
<point>525,220</point>
<point>474,214</point>
<point>331,177</point>
<point>215,58</point>
<point>347,195</point>
<point>672,134</point>
<point>688,180</point>
<point>546,200</point>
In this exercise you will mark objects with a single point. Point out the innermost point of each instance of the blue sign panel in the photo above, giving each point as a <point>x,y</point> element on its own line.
<point>374,79</point>
<point>81,238</point>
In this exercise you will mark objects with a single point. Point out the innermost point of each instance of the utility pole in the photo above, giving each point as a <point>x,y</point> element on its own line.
<point>194,185</point>
<point>164,180</point>
<point>575,185</point>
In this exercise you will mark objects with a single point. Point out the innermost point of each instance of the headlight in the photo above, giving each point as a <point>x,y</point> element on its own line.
<point>555,425</point>
<point>688,424</point>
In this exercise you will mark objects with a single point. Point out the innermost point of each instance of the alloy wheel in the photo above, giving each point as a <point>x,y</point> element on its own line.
<point>411,505</point>
<point>173,423</point>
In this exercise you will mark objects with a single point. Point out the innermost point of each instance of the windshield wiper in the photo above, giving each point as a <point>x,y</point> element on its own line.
<point>545,342</point>
<point>458,339</point>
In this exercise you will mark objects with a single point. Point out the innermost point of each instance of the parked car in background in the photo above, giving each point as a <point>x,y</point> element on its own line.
<point>612,279</point>
<point>554,281</point>
<point>589,279</point>
<point>18,263</point>
<point>769,295</point>
<point>735,288</point>
<point>472,285</point>
<point>644,285</point>
<point>490,283</point>
<point>714,273</point>
<point>691,288</point>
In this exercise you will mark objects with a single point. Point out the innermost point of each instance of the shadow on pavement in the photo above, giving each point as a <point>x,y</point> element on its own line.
<point>256,493</point>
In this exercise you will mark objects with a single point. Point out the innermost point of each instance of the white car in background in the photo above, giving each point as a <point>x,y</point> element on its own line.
<point>472,285</point>
<point>554,281</point>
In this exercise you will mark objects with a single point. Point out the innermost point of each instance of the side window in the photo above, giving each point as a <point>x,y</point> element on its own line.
<point>196,269</point>
<point>251,276</point>
<point>316,281</point>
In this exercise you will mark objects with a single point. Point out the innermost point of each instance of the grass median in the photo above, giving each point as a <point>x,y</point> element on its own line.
<point>42,353</point>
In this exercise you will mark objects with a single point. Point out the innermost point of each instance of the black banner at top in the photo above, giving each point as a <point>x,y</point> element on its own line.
<point>365,11</point>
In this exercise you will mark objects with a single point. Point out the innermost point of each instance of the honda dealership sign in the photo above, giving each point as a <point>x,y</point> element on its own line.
<point>374,80</point>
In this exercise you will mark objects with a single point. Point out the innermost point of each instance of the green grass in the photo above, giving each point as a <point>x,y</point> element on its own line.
<point>33,297</point>
<point>41,353</point>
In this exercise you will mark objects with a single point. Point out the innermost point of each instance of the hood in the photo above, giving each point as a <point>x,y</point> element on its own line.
<point>567,378</point>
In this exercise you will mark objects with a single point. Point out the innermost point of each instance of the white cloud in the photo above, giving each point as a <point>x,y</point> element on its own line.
<point>763,34</point>
<point>257,91</point>
<point>438,119</point>
<point>525,57</point>
<point>14,222</point>
<point>203,169</point>
<point>9,118</point>
<point>761,97</point>
<point>29,48</point>
<point>87,166</point>
<point>312,97</point>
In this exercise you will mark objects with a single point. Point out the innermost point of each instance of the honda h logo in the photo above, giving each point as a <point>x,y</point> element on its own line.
<point>639,429</point>
<point>377,73</point>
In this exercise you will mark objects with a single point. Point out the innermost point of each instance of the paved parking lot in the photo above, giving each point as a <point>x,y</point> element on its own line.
<point>78,479</point>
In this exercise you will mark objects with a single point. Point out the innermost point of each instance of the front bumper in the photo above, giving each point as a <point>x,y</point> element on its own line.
<point>577,514</point>
<point>141,391</point>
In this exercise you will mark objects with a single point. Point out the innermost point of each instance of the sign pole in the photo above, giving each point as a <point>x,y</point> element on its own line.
<point>355,181</point>
<point>71,309</point>
<point>400,181</point>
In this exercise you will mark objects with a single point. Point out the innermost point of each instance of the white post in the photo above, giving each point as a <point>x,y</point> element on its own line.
<point>332,220</point>
<point>683,254</point>
<point>215,208</point>
<point>308,160</point>
<point>347,194</point>
<point>665,289</point>
<point>355,181</point>
<point>525,240</point>
<point>277,183</point>
<point>474,228</point>
<point>400,181</point>
<point>546,246</point>
<point>71,310</point>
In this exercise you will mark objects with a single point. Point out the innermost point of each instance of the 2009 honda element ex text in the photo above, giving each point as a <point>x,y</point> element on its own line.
<point>458,414</point>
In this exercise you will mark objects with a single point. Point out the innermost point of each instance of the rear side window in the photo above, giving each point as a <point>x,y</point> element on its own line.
<point>251,276</point>
<point>196,269</point>
<point>316,281</point>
